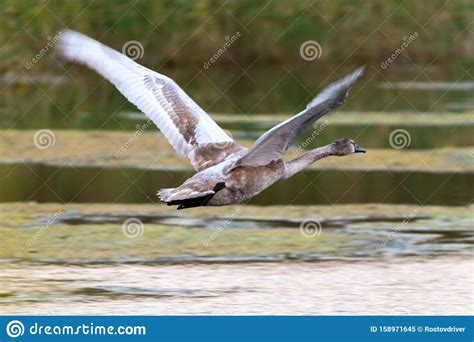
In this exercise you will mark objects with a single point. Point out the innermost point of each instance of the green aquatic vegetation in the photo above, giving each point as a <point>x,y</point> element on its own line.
<point>152,151</point>
<point>108,242</point>
<point>209,233</point>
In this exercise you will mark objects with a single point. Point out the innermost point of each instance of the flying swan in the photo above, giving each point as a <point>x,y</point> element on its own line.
<point>227,173</point>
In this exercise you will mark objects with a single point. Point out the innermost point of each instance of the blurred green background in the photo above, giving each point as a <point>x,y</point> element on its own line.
<point>262,72</point>
<point>272,30</point>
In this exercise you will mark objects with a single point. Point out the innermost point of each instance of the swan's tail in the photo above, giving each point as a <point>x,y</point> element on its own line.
<point>185,197</point>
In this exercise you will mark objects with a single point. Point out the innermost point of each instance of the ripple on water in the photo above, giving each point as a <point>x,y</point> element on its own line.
<point>86,238</point>
<point>399,285</point>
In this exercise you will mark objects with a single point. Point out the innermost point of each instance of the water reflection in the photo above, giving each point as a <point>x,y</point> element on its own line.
<point>84,100</point>
<point>48,183</point>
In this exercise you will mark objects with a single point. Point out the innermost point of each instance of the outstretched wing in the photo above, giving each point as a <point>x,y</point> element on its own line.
<point>275,142</point>
<point>186,125</point>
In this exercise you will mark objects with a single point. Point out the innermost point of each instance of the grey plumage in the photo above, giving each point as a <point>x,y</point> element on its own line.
<point>227,173</point>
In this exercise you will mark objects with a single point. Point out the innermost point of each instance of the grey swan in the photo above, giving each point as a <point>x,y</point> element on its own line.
<point>227,173</point>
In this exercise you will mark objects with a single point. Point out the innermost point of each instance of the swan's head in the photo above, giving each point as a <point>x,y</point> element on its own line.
<point>343,147</point>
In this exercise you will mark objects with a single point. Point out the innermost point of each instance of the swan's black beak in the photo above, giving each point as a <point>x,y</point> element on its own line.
<point>359,149</point>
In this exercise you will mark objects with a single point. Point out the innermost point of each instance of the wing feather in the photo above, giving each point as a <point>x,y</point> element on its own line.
<point>275,142</point>
<point>186,125</point>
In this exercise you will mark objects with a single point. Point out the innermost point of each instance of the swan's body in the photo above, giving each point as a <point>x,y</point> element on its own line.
<point>227,173</point>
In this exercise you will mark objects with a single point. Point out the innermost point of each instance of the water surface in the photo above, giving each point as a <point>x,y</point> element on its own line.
<point>410,286</point>
<point>64,183</point>
<point>84,100</point>
<point>62,253</point>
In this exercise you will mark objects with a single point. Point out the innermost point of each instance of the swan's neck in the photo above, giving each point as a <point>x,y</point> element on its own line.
<point>298,164</point>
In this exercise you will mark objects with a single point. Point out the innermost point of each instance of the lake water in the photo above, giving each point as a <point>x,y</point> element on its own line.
<point>80,259</point>
<point>395,286</point>
<point>25,182</point>
<point>81,99</point>
<point>388,239</point>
